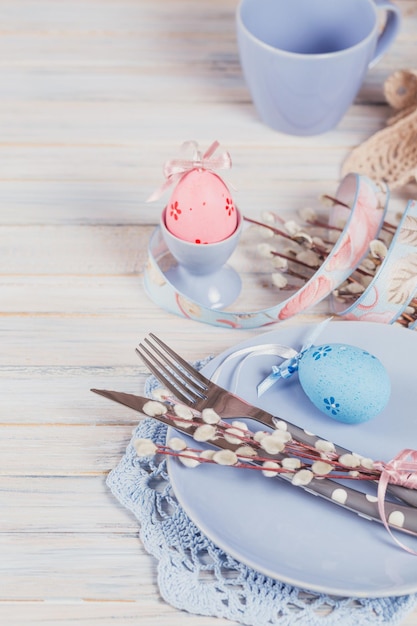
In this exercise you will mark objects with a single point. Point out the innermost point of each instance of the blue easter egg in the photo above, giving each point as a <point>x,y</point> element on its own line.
<point>344,382</point>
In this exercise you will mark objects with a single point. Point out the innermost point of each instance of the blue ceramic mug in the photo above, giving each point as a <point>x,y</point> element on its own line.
<point>304,60</point>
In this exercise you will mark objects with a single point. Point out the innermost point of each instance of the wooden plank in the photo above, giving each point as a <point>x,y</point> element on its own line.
<point>128,165</point>
<point>86,250</point>
<point>85,567</point>
<point>258,178</point>
<point>42,294</point>
<point>128,27</point>
<point>273,194</point>
<point>48,295</point>
<point>61,450</point>
<point>51,395</point>
<point>149,611</point>
<point>107,125</point>
<point>34,505</point>
<point>213,80</point>
<point>105,341</point>
<point>69,203</point>
<point>101,251</point>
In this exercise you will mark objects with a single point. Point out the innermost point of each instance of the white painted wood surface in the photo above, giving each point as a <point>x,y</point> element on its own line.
<point>94,96</point>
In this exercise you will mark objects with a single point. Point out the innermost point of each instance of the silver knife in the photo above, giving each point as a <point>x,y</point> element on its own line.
<point>346,497</point>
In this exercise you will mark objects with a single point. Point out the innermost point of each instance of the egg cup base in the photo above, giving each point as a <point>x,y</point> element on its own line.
<point>215,291</point>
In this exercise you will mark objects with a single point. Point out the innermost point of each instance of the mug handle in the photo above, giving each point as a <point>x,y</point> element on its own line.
<point>390,30</point>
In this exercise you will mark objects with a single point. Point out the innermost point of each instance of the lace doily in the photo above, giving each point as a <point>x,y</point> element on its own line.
<point>196,576</point>
<point>390,155</point>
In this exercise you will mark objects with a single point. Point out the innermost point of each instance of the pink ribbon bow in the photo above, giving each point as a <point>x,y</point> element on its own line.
<point>175,169</point>
<point>402,470</point>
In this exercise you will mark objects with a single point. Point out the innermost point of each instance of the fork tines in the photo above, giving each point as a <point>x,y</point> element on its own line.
<point>185,382</point>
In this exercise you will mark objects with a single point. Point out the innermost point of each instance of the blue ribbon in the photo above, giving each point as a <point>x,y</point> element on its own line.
<point>290,366</point>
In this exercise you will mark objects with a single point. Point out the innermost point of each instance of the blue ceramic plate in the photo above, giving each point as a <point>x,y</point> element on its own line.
<point>284,532</point>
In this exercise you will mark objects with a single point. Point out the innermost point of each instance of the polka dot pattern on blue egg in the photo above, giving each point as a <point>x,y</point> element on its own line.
<point>345,382</point>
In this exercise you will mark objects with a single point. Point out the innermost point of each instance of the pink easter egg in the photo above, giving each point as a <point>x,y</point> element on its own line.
<point>201,209</point>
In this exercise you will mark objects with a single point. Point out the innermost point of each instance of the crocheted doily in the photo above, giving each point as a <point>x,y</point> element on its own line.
<point>197,576</point>
<point>390,155</point>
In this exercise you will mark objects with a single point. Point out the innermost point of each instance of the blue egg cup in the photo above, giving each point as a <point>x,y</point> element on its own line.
<point>201,272</point>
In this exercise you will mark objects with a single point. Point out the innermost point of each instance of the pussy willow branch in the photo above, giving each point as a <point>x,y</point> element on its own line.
<point>291,449</point>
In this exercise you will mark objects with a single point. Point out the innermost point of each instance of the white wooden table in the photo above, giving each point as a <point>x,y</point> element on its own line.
<point>94,96</point>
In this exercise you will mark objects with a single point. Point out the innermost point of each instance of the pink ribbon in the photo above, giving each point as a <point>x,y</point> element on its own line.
<point>402,470</point>
<point>175,169</point>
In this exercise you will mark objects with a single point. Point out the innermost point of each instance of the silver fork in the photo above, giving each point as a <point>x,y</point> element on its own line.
<point>195,390</point>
